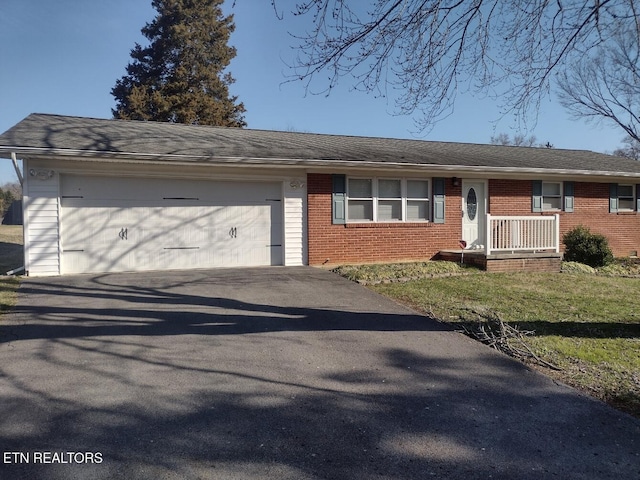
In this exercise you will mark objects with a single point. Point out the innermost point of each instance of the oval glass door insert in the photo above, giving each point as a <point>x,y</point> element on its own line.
<point>472,204</point>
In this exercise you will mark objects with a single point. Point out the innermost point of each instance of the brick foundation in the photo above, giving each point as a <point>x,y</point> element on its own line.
<point>507,262</point>
<point>525,264</point>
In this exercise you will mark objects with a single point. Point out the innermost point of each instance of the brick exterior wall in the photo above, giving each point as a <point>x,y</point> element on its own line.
<point>375,242</point>
<point>591,209</point>
<point>383,242</point>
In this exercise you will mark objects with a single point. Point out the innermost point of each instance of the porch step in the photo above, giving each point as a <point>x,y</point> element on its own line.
<point>505,262</point>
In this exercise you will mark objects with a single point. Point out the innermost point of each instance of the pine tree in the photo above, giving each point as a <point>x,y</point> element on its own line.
<point>180,76</point>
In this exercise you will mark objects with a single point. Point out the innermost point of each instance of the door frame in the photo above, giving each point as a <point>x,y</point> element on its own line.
<point>481,215</point>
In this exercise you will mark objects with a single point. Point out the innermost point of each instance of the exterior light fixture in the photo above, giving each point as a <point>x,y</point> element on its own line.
<point>41,174</point>
<point>296,183</point>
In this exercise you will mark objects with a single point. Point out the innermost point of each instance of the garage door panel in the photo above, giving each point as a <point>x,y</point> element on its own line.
<point>197,217</point>
<point>81,261</point>
<point>136,191</point>
<point>164,226</point>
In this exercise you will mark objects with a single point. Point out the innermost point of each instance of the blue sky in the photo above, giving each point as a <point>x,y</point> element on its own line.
<point>64,57</point>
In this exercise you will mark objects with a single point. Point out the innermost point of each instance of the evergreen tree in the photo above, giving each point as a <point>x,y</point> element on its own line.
<point>180,76</point>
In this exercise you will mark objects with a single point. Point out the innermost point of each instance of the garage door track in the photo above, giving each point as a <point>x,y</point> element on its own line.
<point>276,373</point>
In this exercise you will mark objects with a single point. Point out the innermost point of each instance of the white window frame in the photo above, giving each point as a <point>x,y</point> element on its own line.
<point>426,200</point>
<point>631,197</point>
<point>372,199</point>
<point>560,197</point>
<point>377,199</point>
<point>404,199</point>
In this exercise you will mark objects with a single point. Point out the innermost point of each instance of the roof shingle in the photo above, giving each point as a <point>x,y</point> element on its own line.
<point>42,134</point>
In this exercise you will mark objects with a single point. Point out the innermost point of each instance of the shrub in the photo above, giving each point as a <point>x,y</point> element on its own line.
<point>576,267</point>
<point>614,270</point>
<point>585,247</point>
<point>394,271</point>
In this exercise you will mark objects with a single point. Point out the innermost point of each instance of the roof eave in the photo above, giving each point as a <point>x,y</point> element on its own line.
<point>320,163</point>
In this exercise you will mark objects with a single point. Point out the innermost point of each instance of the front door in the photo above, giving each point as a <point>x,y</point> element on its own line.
<point>473,213</point>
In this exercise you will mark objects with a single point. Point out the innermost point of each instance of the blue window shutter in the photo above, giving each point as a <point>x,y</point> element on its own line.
<point>438,200</point>
<point>568,196</point>
<point>339,199</point>
<point>536,199</point>
<point>613,198</point>
<point>638,198</point>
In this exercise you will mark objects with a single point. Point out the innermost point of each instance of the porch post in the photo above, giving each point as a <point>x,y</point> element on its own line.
<point>487,239</point>
<point>557,232</point>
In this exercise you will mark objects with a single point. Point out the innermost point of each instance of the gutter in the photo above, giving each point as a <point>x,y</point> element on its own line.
<point>324,163</point>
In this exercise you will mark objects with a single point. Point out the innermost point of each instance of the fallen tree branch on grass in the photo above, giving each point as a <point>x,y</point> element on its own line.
<point>493,331</point>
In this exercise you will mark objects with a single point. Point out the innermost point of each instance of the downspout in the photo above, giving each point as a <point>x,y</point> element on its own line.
<point>15,271</point>
<point>15,166</point>
<point>21,179</point>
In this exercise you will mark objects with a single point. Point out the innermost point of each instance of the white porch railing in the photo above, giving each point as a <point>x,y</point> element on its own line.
<point>513,234</point>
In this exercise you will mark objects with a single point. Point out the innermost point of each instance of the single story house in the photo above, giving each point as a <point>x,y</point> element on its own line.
<point>111,195</point>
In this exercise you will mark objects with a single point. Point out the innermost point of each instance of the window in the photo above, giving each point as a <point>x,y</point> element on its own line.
<point>626,198</point>
<point>360,199</point>
<point>551,196</point>
<point>387,200</point>
<point>417,200</point>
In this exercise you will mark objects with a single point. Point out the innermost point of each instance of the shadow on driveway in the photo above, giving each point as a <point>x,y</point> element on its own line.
<point>198,304</point>
<point>287,373</point>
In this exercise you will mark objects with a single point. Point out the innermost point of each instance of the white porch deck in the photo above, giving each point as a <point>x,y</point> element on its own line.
<point>515,243</point>
<point>522,234</point>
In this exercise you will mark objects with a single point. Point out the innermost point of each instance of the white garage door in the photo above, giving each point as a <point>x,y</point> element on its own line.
<point>133,224</point>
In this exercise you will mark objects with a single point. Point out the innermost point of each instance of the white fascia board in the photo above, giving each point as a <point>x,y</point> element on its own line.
<point>319,164</point>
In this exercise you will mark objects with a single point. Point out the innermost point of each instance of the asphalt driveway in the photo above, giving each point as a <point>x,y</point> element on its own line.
<point>276,373</point>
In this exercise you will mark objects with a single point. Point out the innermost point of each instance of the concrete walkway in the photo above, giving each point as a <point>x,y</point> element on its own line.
<point>276,373</point>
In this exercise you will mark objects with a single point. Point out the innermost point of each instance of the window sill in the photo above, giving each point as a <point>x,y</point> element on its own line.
<point>388,224</point>
<point>626,212</point>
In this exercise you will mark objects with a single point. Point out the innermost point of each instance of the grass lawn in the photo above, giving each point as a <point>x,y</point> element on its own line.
<point>11,256</point>
<point>587,325</point>
<point>11,251</point>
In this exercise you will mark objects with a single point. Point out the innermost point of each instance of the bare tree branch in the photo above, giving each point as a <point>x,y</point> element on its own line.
<point>606,84</point>
<point>519,140</point>
<point>430,50</point>
<point>631,149</point>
